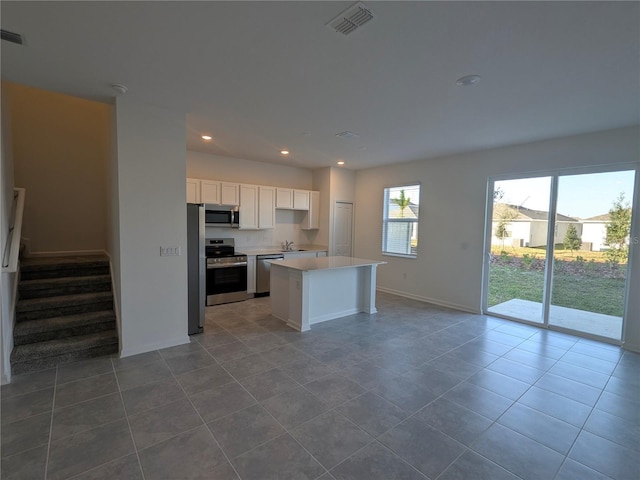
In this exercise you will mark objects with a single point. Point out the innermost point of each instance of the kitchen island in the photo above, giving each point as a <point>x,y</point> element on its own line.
<point>305,291</point>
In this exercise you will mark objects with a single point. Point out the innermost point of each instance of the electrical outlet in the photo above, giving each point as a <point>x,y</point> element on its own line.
<point>172,251</point>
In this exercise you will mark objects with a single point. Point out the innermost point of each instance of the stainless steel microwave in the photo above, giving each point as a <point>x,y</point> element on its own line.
<point>217,216</point>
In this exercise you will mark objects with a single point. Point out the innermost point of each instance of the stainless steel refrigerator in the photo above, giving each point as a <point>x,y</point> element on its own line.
<point>196,267</point>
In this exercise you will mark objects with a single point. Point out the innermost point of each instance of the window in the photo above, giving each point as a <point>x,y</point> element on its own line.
<point>400,220</point>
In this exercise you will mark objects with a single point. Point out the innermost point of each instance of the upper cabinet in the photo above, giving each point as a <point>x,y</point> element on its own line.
<point>301,200</point>
<point>193,190</point>
<point>213,192</point>
<point>249,207</point>
<point>284,198</point>
<point>266,207</point>
<point>312,218</point>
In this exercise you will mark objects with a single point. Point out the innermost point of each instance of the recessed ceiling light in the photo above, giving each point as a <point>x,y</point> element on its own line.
<point>206,137</point>
<point>468,80</point>
<point>347,134</point>
<point>284,152</point>
<point>340,162</point>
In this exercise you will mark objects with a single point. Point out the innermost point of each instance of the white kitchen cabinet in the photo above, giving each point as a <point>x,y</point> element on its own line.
<point>321,254</point>
<point>249,207</point>
<point>301,200</point>
<point>210,192</point>
<point>284,198</point>
<point>251,274</point>
<point>229,193</point>
<point>312,218</point>
<point>266,207</point>
<point>193,190</point>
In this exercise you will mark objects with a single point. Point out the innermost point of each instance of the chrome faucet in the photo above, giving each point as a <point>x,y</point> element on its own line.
<point>288,245</point>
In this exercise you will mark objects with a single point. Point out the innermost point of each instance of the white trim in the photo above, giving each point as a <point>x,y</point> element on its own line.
<point>333,315</point>
<point>7,340</point>
<point>15,231</point>
<point>434,301</point>
<point>149,347</point>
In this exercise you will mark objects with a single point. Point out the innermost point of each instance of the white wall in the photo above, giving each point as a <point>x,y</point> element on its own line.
<point>61,155</point>
<point>448,269</point>
<point>7,280</point>
<point>150,212</point>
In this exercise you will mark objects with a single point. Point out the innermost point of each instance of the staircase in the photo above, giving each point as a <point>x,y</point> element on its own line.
<point>64,312</point>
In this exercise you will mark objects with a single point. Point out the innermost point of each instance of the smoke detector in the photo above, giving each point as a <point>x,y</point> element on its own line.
<point>351,19</point>
<point>347,134</point>
<point>119,89</point>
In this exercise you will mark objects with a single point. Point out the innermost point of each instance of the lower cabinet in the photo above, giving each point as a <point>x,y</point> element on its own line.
<point>251,274</point>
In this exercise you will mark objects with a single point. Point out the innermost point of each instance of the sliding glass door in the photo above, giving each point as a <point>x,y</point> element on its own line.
<point>558,250</point>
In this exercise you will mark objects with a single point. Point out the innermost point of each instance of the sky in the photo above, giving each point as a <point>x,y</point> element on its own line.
<point>580,196</point>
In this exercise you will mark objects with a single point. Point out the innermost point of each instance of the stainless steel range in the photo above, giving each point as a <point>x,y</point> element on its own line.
<point>226,272</point>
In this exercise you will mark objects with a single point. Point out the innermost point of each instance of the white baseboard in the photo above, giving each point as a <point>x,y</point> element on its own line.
<point>434,301</point>
<point>127,352</point>
<point>334,315</point>
<point>67,253</point>
<point>631,347</point>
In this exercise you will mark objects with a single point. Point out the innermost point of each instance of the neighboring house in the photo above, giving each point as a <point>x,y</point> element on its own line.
<point>528,228</point>
<point>404,233</point>
<point>594,232</point>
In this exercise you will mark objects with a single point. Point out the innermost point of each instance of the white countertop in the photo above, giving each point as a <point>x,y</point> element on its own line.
<point>325,263</point>
<point>272,250</point>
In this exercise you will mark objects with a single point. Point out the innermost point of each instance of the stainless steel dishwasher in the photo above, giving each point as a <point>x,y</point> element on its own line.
<point>263,272</point>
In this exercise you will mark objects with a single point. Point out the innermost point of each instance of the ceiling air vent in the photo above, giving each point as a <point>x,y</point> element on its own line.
<point>352,18</point>
<point>347,134</point>
<point>12,37</point>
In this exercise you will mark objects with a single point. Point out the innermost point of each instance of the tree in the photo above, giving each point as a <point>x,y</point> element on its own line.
<point>572,240</point>
<point>504,214</point>
<point>402,202</point>
<point>618,230</point>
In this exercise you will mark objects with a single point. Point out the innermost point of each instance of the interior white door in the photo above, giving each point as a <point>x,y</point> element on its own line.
<point>343,229</point>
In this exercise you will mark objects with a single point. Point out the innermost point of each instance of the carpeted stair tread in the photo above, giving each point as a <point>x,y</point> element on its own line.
<point>58,327</point>
<point>73,266</point>
<point>63,286</point>
<point>44,363</point>
<point>32,304</point>
<point>63,346</point>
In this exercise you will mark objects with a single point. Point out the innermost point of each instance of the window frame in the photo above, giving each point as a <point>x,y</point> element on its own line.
<point>386,220</point>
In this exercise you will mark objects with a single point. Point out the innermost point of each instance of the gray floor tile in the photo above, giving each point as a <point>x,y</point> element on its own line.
<point>621,431</point>
<point>541,348</point>
<point>372,413</point>
<point>568,388</point>
<point>432,379</point>
<point>263,342</point>
<point>530,359</point>
<point>230,351</point>
<point>192,454</point>
<point>85,389</point>
<point>504,338</point>
<point>473,354</point>
<point>331,438</point>
<point>25,465</point>
<point>572,470</point>
<point>458,422</point>
<point>376,462</point>
<point>85,369</point>
<point>498,383</point>
<point>518,454</point>
<point>26,405</point>
<point>425,448</point>
<point>283,354</point>
<point>606,457</point>
<point>247,366</point>
<point>204,378</point>
<point>142,374</point>
<point>454,366</point>
<point>279,459</point>
<point>519,371</point>
<point>241,431</point>
<point>190,361</point>
<point>627,386</point>
<point>340,357</point>
<point>592,363</point>
<point>25,434</point>
<point>212,340</point>
<point>306,370</point>
<point>179,350</point>
<point>123,468</point>
<point>89,449</point>
<point>136,360</point>
<point>579,374</point>
<point>479,400</point>
<point>409,396</point>
<point>620,406</point>
<point>268,384</point>
<point>220,401</point>
<point>294,407</point>
<point>490,346</point>
<point>473,466</point>
<point>29,382</point>
<point>162,423</point>
<point>542,428</point>
<point>86,415</point>
<point>557,406</point>
<point>368,374</point>
<point>152,395</point>
<point>334,389</point>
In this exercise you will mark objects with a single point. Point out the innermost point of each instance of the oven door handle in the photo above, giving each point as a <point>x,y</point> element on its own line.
<point>227,265</point>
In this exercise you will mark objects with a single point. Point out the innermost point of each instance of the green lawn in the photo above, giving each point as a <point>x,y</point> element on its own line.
<point>590,293</point>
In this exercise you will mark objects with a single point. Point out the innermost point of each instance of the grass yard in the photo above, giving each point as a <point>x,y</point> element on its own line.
<point>592,293</point>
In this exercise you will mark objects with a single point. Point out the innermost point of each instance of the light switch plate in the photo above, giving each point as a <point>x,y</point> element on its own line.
<point>172,251</point>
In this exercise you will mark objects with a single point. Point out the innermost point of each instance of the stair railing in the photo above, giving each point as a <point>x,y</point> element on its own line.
<point>14,233</point>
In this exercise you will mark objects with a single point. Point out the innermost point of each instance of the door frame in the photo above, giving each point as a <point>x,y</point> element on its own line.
<point>332,245</point>
<point>553,201</point>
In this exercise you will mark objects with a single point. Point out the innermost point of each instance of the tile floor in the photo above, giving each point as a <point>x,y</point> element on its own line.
<point>413,392</point>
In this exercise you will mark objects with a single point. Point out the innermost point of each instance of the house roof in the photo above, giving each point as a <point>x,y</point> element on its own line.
<point>518,213</point>
<point>263,76</point>
<point>605,217</point>
<point>410,211</point>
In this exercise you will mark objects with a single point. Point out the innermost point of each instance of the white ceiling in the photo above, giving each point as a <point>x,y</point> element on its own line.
<point>262,76</point>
